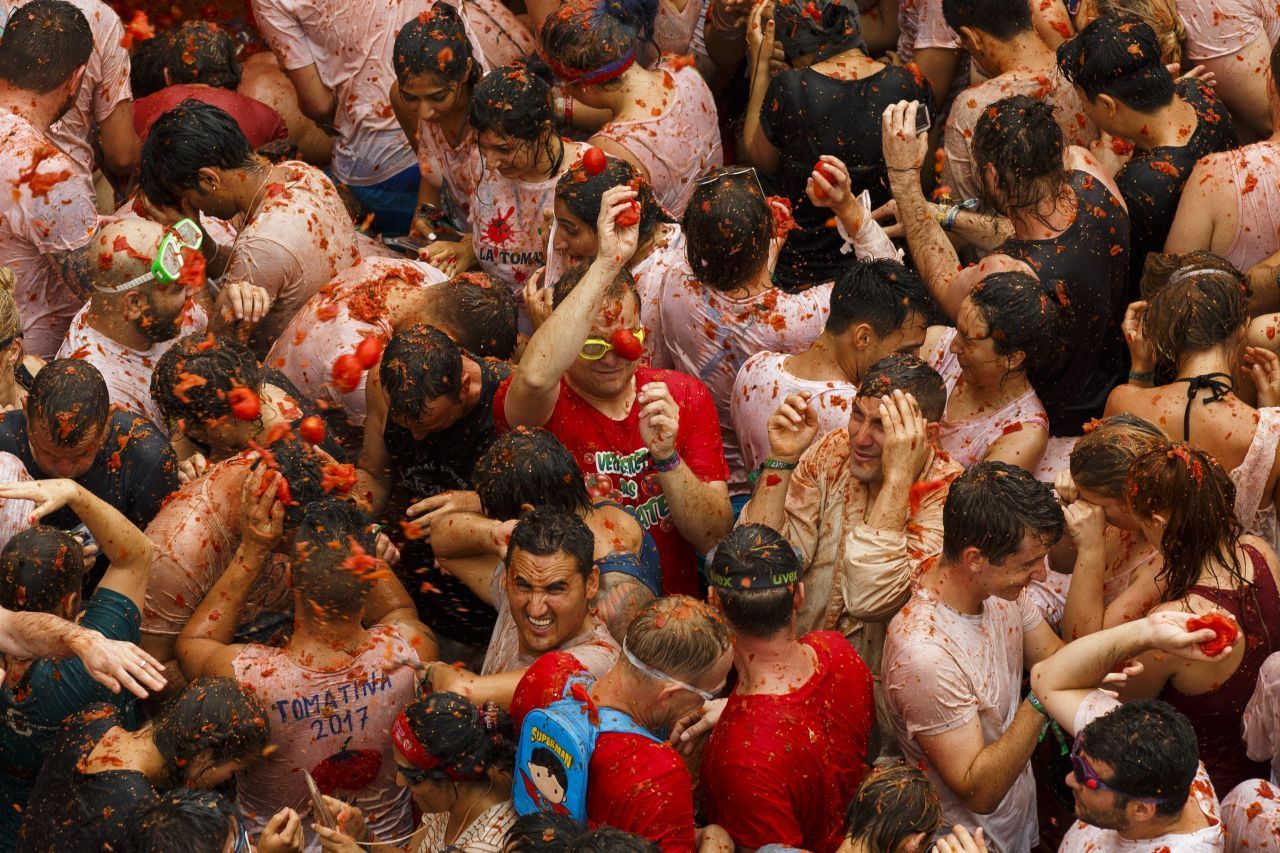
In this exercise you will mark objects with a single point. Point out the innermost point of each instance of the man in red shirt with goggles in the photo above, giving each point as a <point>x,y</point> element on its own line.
<point>648,439</point>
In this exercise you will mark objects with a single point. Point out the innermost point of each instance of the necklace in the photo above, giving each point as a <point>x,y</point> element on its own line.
<point>253,203</point>
<point>466,819</point>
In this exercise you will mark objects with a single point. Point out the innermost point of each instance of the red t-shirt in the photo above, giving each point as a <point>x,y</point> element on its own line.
<point>633,783</point>
<point>782,769</point>
<point>260,123</point>
<point>616,463</point>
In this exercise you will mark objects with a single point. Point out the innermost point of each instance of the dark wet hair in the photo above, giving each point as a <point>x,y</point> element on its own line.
<point>193,380</point>
<point>999,19</point>
<point>513,101</point>
<point>541,832</point>
<point>194,821</point>
<point>992,506</point>
<point>419,365</point>
<point>1019,137</point>
<point>147,64</point>
<point>528,466</point>
<point>1191,488</point>
<point>44,42</point>
<point>39,566</point>
<point>435,43</point>
<point>753,550</point>
<point>217,715</point>
<point>481,312</point>
<point>727,228</point>
<point>1120,57</point>
<point>190,137</point>
<point>69,401</point>
<point>607,839</point>
<point>894,802</point>
<point>1194,306</point>
<point>1102,457</point>
<point>584,36</point>
<point>302,467</point>
<point>909,374</point>
<point>623,283</point>
<point>881,293</point>
<point>818,28</point>
<point>470,741</point>
<point>1152,749</point>
<point>203,52</point>
<point>548,530</point>
<point>581,193</point>
<point>327,569</point>
<point>1025,315</point>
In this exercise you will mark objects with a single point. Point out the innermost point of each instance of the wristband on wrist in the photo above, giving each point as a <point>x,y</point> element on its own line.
<point>1050,724</point>
<point>665,466</point>
<point>1035,702</point>
<point>1142,375</point>
<point>778,465</point>
<point>949,221</point>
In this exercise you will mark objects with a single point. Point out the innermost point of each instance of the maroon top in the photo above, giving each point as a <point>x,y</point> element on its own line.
<point>260,123</point>
<point>1216,715</point>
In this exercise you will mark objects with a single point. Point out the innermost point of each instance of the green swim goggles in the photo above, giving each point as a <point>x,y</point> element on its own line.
<point>166,266</point>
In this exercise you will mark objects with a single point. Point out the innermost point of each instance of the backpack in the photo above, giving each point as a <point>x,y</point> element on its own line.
<point>555,747</point>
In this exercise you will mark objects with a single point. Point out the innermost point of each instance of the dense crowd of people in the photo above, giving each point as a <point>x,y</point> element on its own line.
<point>844,426</point>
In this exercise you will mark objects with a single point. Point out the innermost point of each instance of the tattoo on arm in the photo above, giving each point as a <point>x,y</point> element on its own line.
<point>620,598</point>
<point>74,268</point>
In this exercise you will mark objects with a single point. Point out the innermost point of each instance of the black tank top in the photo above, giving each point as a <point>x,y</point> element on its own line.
<point>1091,260</point>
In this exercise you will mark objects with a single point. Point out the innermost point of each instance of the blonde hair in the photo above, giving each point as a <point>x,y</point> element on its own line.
<point>1161,15</point>
<point>10,321</point>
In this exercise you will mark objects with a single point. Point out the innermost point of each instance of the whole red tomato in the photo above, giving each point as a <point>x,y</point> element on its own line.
<point>626,345</point>
<point>347,373</point>
<point>369,352</point>
<point>312,429</point>
<point>245,405</point>
<point>593,162</point>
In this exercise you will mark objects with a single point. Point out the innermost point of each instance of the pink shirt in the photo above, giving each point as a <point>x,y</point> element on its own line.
<point>1256,169</point>
<point>679,146</point>
<point>317,714</point>
<point>710,336</point>
<point>348,309</point>
<point>105,85</point>
<point>675,28</point>
<point>1250,479</point>
<point>959,170</point>
<point>509,219</point>
<point>967,441</point>
<point>921,25</point>
<point>1251,817</point>
<point>44,210</point>
<point>196,534</point>
<point>15,515</point>
<point>1224,27</point>
<point>762,385</point>
<point>298,240</point>
<point>350,44</point>
<point>127,371</point>
<point>456,168</point>
<point>1261,738</point>
<point>943,668</point>
<point>497,34</point>
<point>1083,838</point>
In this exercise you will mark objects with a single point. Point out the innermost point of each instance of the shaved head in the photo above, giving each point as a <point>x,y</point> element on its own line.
<point>123,250</point>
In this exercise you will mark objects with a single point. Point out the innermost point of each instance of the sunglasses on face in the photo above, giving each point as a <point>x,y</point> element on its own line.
<point>1087,777</point>
<point>166,266</point>
<point>594,349</point>
<point>416,776</point>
